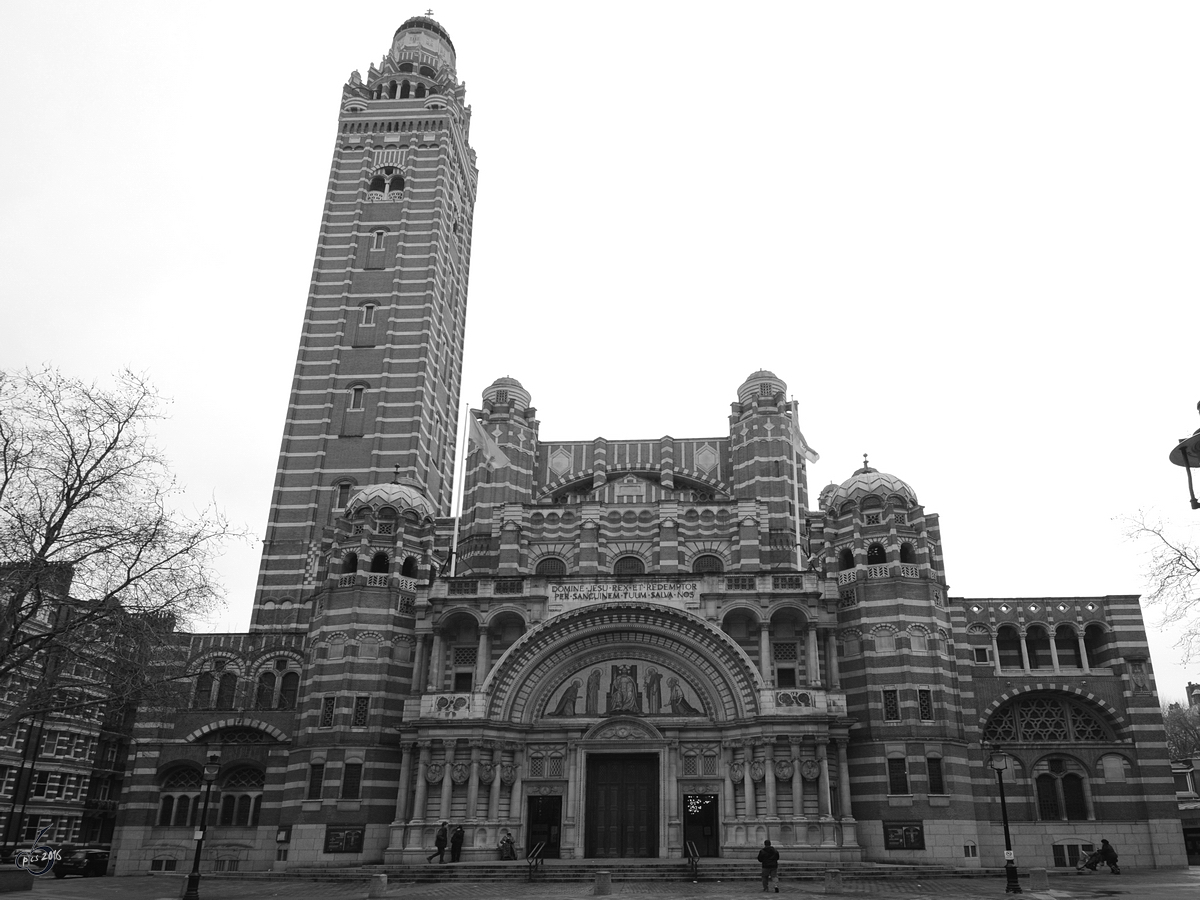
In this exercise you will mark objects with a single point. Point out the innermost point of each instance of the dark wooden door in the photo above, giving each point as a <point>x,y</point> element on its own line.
<point>622,804</point>
<point>545,825</point>
<point>700,823</point>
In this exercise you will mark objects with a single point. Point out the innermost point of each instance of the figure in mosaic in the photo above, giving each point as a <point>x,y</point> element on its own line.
<point>679,704</point>
<point>566,704</point>
<point>593,693</point>
<point>653,691</point>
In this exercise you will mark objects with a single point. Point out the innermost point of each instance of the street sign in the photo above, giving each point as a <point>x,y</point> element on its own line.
<point>1009,854</point>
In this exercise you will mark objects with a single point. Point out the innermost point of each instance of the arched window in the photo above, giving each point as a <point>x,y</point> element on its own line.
<point>1008,642</point>
<point>392,90</point>
<point>179,793</point>
<point>226,691</point>
<point>1037,645</point>
<point>350,563</point>
<point>707,563</point>
<point>204,686</point>
<point>404,90</point>
<point>907,554</point>
<point>406,68</point>
<point>885,640</point>
<point>1062,790</point>
<point>356,397</point>
<point>288,687</point>
<point>918,641</point>
<point>1067,646</point>
<point>1095,642</point>
<point>551,567</point>
<point>420,90</point>
<point>378,239</point>
<point>1044,718</point>
<point>395,186</point>
<point>409,569</point>
<point>425,72</point>
<point>846,560</point>
<point>629,565</point>
<point>380,563</point>
<point>367,315</point>
<point>875,555</point>
<point>376,186</point>
<point>264,694</point>
<point>241,797</point>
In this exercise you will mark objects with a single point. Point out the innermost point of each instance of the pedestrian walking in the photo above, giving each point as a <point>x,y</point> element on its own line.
<point>456,842</point>
<point>769,857</point>
<point>439,843</point>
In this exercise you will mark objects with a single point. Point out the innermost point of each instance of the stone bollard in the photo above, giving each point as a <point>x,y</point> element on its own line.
<point>378,886</point>
<point>1039,880</point>
<point>833,881</point>
<point>603,883</point>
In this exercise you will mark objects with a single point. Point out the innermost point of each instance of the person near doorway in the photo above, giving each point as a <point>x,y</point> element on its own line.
<point>439,844</point>
<point>456,842</point>
<point>508,850</point>
<point>769,857</point>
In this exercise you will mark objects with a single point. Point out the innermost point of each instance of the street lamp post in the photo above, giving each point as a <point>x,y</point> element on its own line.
<point>999,762</point>
<point>1187,455</point>
<point>192,892</point>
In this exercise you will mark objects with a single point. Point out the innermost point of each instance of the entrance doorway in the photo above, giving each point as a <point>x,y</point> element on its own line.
<point>622,805</point>
<point>545,824</point>
<point>700,823</point>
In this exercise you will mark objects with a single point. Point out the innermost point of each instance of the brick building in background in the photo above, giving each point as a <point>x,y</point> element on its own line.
<point>640,642</point>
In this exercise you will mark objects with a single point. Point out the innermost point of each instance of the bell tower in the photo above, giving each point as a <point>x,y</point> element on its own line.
<point>375,395</point>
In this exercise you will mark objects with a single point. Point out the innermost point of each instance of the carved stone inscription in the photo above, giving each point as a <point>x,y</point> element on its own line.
<point>683,594</point>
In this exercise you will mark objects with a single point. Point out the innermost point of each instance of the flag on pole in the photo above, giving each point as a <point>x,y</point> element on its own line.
<point>478,439</point>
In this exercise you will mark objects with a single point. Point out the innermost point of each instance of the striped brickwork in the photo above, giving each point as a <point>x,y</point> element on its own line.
<point>376,388</point>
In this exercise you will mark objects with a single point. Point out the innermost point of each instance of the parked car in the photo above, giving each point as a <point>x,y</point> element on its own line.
<point>82,862</point>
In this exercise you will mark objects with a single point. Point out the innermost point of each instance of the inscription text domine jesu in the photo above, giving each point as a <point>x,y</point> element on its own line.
<point>671,593</point>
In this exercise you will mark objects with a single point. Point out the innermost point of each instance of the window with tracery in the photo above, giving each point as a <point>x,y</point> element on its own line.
<point>1044,719</point>
<point>178,802</point>
<point>241,797</point>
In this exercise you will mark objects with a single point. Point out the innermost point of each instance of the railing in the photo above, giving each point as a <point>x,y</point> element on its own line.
<point>848,577</point>
<point>407,585</point>
<point>693,855</point>
<point>535,860</point>
<point>882,570</point>
<point>346,580</point>
<point>377,580</point>
<point>907,570</point>
<point>462,588</point>
<point>740,583</point>
<point>509,586</point>
<point>788,582</point>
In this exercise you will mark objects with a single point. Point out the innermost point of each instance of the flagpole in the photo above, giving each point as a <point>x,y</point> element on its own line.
<point>460,464</point>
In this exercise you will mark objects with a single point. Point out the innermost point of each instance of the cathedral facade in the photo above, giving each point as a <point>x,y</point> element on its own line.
<point>620,648</point>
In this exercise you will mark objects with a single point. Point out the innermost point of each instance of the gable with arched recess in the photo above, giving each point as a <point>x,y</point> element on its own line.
<point>239,722</point>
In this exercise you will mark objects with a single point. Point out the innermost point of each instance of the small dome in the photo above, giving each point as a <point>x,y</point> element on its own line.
<point>826,495</point>
<point>401,496</point>
<point>427,24</point>
<point>753,386</point>
<point>868,481</point>
<point>507,390</point>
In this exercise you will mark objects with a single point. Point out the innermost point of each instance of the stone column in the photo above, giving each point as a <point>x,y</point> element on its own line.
<point>516,796</point>
<point>494,798</point>
<point>730,803</point>
<point>572,783</point>
<point>447,781</point>
<point>748,784</point>
<point>835,675</point>
<point>673,783</point>
<point>812,662</point>
<point>483,661</point>
<point>1024,652</point>
<point>844,780</point>
<point>769,777</point>
<point>764,653</point>
<point>797,780</point>
<point>437,669</point>
<point>406,767</point>
<point>995,653</point>
<point>422,783</point>
<point>1053,652</point>
<point>1083,660</point>
<point>473,782</point>
<point>419,674</point>
<point>823,804</point>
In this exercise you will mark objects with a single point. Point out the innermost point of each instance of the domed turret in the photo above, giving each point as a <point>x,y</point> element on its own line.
<point>423,36</point>
<point>400,496</point>
<point>506,391</point>
<point>865,482</point>
<point>761,384</point>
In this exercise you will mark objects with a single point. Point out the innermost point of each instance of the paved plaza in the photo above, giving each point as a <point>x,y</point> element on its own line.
<point>1172,885</point>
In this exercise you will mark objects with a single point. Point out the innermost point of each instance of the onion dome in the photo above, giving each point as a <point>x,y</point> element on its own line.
<point>868,481</point>
<point>399,496</point>
<point>761,384</point>
<point>506,391</point>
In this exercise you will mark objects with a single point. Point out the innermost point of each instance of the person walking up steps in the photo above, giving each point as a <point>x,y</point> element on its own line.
<point>456,842</point>
<point>439,843</point>
<point>769,857</point>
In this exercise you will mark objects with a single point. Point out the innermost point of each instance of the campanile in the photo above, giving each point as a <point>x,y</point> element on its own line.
<point>376,388</point>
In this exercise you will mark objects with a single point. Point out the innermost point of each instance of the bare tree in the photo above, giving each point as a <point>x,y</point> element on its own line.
<point>1183,730</point>
<point>1174,576</point>
<point>97,563</point>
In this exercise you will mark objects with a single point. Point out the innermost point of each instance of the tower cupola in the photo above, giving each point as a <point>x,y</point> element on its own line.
<point>422,41</point>
<point>868,481</point>
<point>506,392</point>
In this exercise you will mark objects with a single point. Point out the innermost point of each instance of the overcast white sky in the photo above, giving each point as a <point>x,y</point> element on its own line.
<point>965,235</point>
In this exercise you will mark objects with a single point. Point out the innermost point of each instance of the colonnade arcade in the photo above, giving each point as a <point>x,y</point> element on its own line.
<point>625,729</point>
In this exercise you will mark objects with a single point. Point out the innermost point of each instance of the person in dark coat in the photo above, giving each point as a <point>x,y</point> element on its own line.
<point>1106,854</point>
<point>456,842</point>
<point>769,857</point>
<point>439,843</point>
